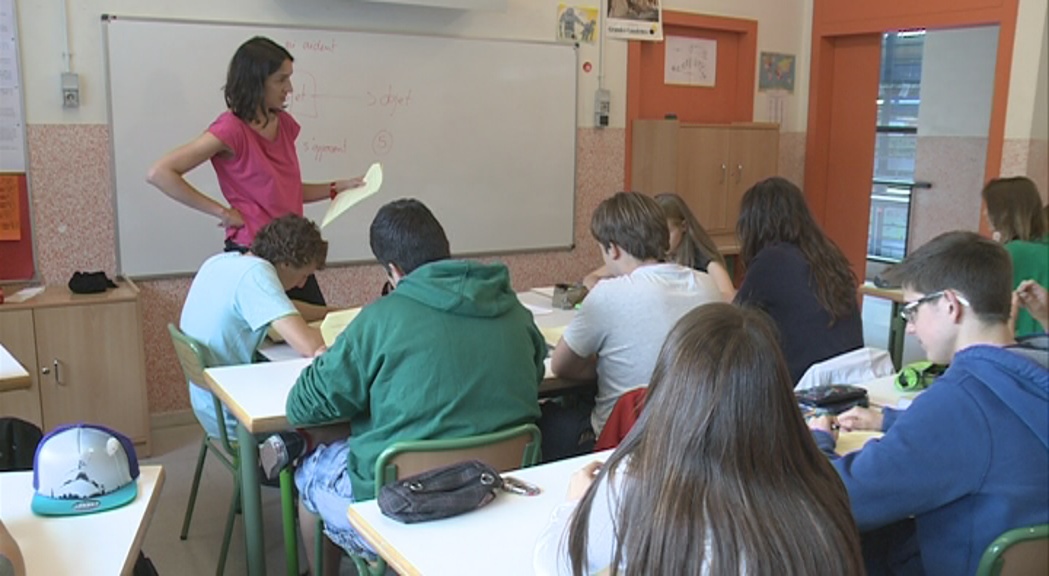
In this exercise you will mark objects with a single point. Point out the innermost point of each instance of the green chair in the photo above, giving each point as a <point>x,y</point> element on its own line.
<point>192,359</point>
<point>1018,552</point>
<point>509,449</point>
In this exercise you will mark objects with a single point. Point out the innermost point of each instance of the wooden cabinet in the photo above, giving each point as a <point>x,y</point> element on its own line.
<point>85,360</point>
<point>709,165</point>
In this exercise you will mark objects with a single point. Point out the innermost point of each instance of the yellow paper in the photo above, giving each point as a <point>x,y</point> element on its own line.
<point>347,198</point>
<point>335,322</point>
<point>853,441</point>
<point>552,335</point>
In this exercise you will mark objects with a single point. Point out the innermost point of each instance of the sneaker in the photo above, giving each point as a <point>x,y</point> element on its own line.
<point>278,451</point>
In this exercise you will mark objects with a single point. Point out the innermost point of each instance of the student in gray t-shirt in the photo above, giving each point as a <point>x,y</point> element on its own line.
<point>618,330</point>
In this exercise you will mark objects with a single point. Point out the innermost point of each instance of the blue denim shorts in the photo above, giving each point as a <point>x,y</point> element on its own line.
<point>325,490</point>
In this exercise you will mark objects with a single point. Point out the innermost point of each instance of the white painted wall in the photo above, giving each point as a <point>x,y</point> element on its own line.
<point>1040,114</point>
<point>958,82</point>
<point>1027,108</point>
<point>783,26</point>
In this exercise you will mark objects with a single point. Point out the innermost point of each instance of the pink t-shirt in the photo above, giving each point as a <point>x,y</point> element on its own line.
<point>261,179</point>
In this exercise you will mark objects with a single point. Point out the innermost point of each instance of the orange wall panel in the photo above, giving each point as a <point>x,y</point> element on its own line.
<point>852,116</point>
<point>841,11</point>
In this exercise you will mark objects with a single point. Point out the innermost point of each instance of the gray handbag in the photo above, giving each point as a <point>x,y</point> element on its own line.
<point>440,493</point>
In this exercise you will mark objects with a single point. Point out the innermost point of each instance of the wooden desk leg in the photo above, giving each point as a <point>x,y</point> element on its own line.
<point>897,332</point>
<point>251,501</point>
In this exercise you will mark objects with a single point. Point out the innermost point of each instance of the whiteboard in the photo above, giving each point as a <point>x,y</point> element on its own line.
<point>482,131</point>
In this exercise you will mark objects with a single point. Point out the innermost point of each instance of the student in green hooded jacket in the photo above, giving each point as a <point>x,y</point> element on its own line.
<point>449,353</point>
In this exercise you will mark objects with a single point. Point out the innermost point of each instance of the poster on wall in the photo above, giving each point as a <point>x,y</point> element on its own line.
<point>10,211</point>
<point>690,61</point>
<point>776,72</point>
<point>634,19</point>
<point>577,23</point>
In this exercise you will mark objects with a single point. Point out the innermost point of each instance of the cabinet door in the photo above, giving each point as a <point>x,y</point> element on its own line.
<point>94,355</point>
<point>16,334</point>
<point>753,156</point>
<point>654,156</point>
<point>703,174</point>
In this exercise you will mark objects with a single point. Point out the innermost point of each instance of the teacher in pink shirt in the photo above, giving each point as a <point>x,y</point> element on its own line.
<point>251,146</point>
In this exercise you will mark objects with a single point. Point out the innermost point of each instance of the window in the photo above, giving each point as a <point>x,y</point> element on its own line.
<point>899,97</point>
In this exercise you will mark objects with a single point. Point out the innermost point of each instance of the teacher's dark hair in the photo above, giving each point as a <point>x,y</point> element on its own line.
<point>291,240</point>
<point>405,232</point>
<point>774,211</point>
<point>255,60</point>
<point>722,475</point>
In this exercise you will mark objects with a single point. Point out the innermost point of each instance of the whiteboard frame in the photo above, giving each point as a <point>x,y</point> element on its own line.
<point>107,18</point>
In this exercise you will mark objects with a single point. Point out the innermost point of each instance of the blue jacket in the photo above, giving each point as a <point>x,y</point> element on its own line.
<point>969,459</point>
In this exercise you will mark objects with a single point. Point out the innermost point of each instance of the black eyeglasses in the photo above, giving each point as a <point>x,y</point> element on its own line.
<point>911,308</point>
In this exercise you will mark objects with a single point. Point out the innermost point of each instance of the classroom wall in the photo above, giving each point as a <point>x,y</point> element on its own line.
<point>69,150</point>
<point>1026,147</point>
<point>957,84</point>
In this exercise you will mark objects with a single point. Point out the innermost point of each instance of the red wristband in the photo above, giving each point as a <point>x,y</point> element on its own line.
<point>332,191</point>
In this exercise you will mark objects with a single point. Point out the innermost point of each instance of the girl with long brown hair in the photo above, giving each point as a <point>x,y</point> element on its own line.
<point>797,275</point>
<point>691,246</point>
<point>719,475</point>
<point>1014,211</point>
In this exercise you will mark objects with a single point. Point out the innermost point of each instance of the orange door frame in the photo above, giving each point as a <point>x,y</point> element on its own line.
<point>848,195</point>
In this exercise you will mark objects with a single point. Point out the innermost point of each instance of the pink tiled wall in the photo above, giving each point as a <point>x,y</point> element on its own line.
<point>1028,158</point>
<point>792,157</point>
<point>74,230</point>
<point>954,166</point>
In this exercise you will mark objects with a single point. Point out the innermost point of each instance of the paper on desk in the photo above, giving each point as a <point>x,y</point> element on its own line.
<point>347,198</point>
<point>335,322</point>
<point>537,310</point>
<point>24,294</point>
<point>547,291</point>
<point>552,335</point>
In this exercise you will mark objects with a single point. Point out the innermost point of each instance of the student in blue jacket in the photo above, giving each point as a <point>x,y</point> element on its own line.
<point>969,459</point>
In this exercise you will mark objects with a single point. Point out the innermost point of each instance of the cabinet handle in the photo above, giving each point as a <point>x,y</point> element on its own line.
<point>724,171</point>
<point>49,370</point>
<point>739,173</point>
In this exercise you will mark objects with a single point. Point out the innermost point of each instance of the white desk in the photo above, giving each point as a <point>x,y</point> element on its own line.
<point>105,543</point>
<point>502,534</point>
<point>13,376</point>
<point>498,538</point>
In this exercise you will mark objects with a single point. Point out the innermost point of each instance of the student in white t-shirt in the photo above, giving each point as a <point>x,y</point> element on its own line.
<point>618,330</point>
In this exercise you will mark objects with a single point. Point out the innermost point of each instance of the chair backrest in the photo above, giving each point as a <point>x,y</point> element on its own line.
<point>1017,552</point>
<point>625,413</point>
<point>18,442</point>
<point>516,447</point>
<point>191,357</point>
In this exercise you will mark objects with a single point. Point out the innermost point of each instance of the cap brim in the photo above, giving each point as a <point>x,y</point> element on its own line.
<point>44,506</point>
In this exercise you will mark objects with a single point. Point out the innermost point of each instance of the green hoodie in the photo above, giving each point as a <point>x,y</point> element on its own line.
<point>450,353</point>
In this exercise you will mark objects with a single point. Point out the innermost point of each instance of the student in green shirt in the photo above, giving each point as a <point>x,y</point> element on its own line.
<point>1014,211</point>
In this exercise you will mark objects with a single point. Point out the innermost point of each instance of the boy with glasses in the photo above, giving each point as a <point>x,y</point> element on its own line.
<point>969,459</point>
